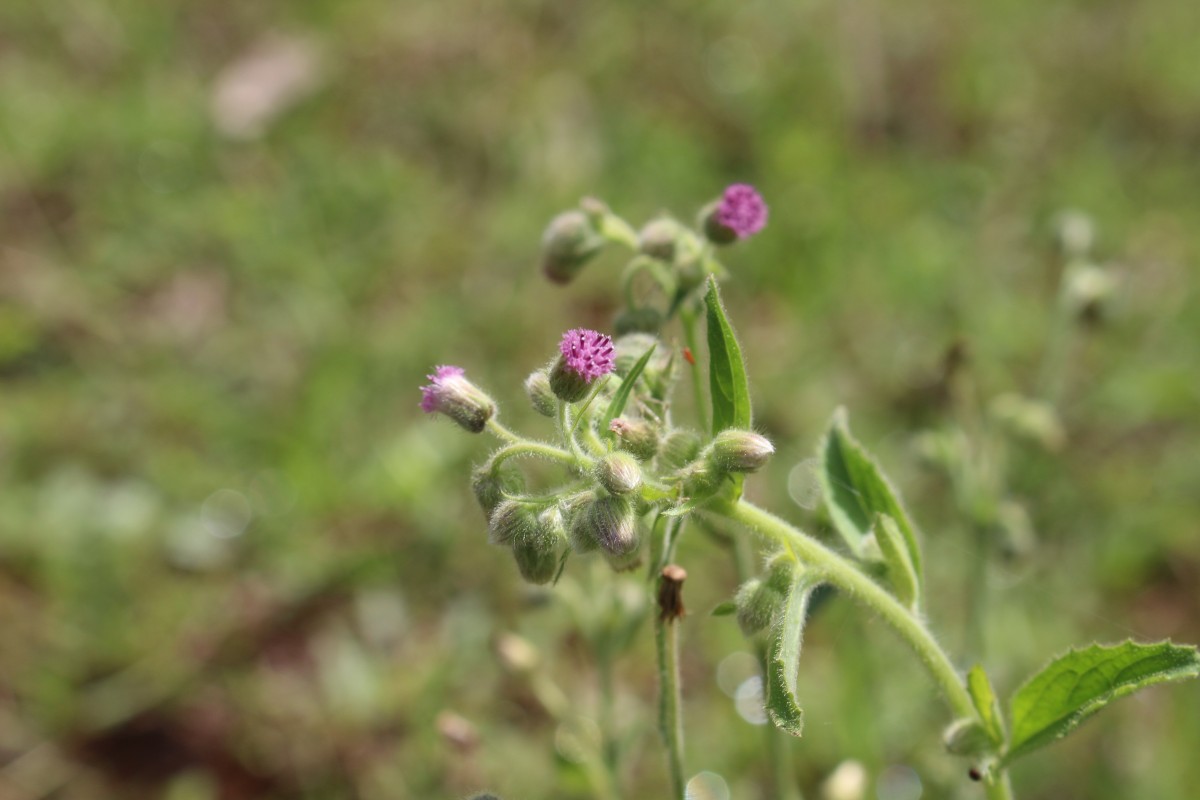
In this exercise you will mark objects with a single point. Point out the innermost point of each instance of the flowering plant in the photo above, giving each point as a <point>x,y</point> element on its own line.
<point>633,478</point>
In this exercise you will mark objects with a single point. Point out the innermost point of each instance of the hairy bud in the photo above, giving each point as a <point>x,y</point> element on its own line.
<point>756,604</point>
<point>739,213</point>
<point>491,484</point>
<point>659,239</point>
<point>679,448</point>
<point>608,523</point>
<point>1032,420</point>
<point>570,241</point>
<point>636,437</point>
<point>541,396</point>
<point>619,473</point>
<point>450,393</point>
<point>510,521</point>
<point>536,552</point>
<point>1087,289</point>
<point>740,451</point>
<point>584,356</point>
<point>638,320</point>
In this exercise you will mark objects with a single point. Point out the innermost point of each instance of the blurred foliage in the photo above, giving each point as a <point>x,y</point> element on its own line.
<point>235,561</point>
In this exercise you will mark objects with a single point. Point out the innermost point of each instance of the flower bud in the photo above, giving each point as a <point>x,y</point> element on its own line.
<point>756,603</point>
<point>1032,420</point>
<point>638,320</point>
<point>780,570</point>
<point>606,522</point>
<point>739,213</point>
<point>740,451</point>
<point>679,448</point>
<point>584,355</point>
<point>619,473</point>
<point>491,484</point>
<point>511,521</point>
<point>541,396</point>
<point>659,239</point>
<point>536,552</point>
<point>636,437</point>
<point>450,393</point>
<point>966,737</point>
<point>570,241</point>
<point>1086,290</point>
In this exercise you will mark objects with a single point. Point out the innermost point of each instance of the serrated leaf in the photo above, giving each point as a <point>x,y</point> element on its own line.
<point>856,491</point>
<point>726,371</point>
<point>1074,686</point>
<point>621,397</point>
<point>900,570</point>
<point>724,609</point>
<point>980,689</point>
<point>783,660</point>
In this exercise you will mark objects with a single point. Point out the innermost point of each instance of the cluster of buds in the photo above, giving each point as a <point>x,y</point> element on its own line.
<point>677,258</point>
<point>624,461</point>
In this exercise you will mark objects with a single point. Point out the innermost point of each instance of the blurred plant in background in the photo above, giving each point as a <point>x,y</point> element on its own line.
<point>230,548</point>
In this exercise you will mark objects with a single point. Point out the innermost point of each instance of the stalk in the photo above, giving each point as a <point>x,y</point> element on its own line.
<point>846,576</point>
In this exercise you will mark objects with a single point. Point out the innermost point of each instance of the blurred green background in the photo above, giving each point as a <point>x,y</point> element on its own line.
<point>237,562</point>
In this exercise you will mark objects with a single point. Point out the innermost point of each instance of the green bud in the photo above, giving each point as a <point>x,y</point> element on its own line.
<point>1032,420</point>
<point>570,241</point>
<point>636,437</point>
<point>619,473</point>
<point>575,511</point>
<point>541,396</point>
<point>511,521</point>
<point>690,273</point>
<point>567,384</point>
<point>659,239</point>
<point>1086,291</point>
<point>966,737</point>
<point>781,568</point>
<point>679,448</point>
<point>740,451</point>
<point>536,552</point>
<point>714,231</point>
<point>608,523</point>
<point>490,485</point>
<point>756,603</point>
<point>638,320</point>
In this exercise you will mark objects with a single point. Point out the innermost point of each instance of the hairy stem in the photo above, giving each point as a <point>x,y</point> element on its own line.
<point>666,640</point>
<point>846,576</point>
<point>670,721</point>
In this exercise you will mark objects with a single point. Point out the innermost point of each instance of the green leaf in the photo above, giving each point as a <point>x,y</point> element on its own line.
<point>724,609</point>
<point>856,491</point>
<point>897,557</point>
<point>726,370</point>
<point>617,404</point>
<point>980,689</point>
<point>783,660</point>
<point>1073,687</point>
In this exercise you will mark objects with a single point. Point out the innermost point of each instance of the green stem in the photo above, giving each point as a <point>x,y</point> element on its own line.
<point>566,433</point>
<point>666,640</point>
<point>502,432</point>
<point>670,722</point>
<point>846,576</point>
<point>687,318</point>
<point>529,448</point>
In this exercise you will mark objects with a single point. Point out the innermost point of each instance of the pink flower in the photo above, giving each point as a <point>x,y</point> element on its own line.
<point>587,353</point>
<point>450,393</point>
<point>742,210</point>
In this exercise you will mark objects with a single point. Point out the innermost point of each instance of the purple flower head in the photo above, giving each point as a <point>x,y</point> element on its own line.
<point>587,353</point>
<point>441,378</point>
<point>742,210</point>
<point>450,393</point>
